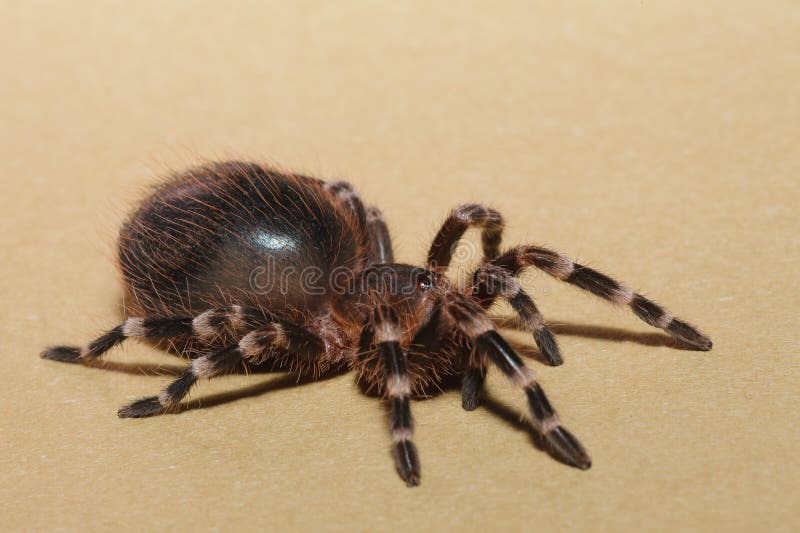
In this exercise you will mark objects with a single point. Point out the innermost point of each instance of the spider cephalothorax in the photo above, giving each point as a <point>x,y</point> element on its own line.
<point>237,264</point>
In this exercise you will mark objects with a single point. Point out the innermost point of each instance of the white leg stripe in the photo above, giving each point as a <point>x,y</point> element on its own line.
<point>237,315</point>
<point>133,327</point>
<point>201,325</point>
<point>550,423</point>
<point>664,320</point>
<point>398,386</point>
<point>523,377</point>
<point>623,295</point>
<point>202,367</point>
<point>386,332</point>
<point>280,336</point>
<point>374,214</point>
<point>164,399</point>
<point>563,267</point>
<point>479,324</point>
<point>250,346</point>
<point>401,434</point>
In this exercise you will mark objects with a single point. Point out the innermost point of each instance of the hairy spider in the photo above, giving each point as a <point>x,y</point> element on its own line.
<point>236,263</point>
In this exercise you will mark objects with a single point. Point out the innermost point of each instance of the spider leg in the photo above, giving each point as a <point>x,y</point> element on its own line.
<point>387,334</point>
<point>205,326</point>
<point>255,347</point>
<point>305,347</point>
<point>472,386</point>
<point>347,195</point>
<point>380,241</point>
<point>490,281</point>
<point>205,366</point>
<point>457,222</point>
<point>563,268</point>
<point>477,326</point>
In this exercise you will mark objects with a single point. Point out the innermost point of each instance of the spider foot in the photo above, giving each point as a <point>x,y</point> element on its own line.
<point>548,346</point>
<point>568,448</point>
<point>688,334</point>
<point>407,460</point>
<point>142,408</point>
<point>472,389</point>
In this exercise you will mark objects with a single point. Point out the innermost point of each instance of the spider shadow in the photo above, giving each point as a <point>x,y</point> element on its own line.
<point>507,414</point>
<point>136,369</point>
<point>282,382</point>
<point>513,418</point>
<point>589,331</point>
<point>283,379</point>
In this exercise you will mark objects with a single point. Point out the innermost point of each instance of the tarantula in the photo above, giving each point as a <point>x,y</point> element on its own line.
<point>237,263</point>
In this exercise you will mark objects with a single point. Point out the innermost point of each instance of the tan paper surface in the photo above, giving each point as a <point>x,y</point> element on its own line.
<point>656,141</point>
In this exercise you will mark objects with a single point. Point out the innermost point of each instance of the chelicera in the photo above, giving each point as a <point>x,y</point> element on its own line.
<point>237,264</point>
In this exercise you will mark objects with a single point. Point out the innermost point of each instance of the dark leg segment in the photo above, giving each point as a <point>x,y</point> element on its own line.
<point>490,281</point>
<point>459,220</point>
<point>380,250</point>
<point>562,267</point>
<point>205,326</point>
<point>472,387</point>
<point>398,388</point>
<point>474,323</point>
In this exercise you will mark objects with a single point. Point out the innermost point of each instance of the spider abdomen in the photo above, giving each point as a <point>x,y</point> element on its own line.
<point>237,233</point>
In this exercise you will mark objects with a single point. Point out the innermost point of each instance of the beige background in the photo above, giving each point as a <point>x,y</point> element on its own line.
<point>656,140</point>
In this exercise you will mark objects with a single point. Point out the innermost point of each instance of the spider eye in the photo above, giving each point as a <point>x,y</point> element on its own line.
<point>425,282</point>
